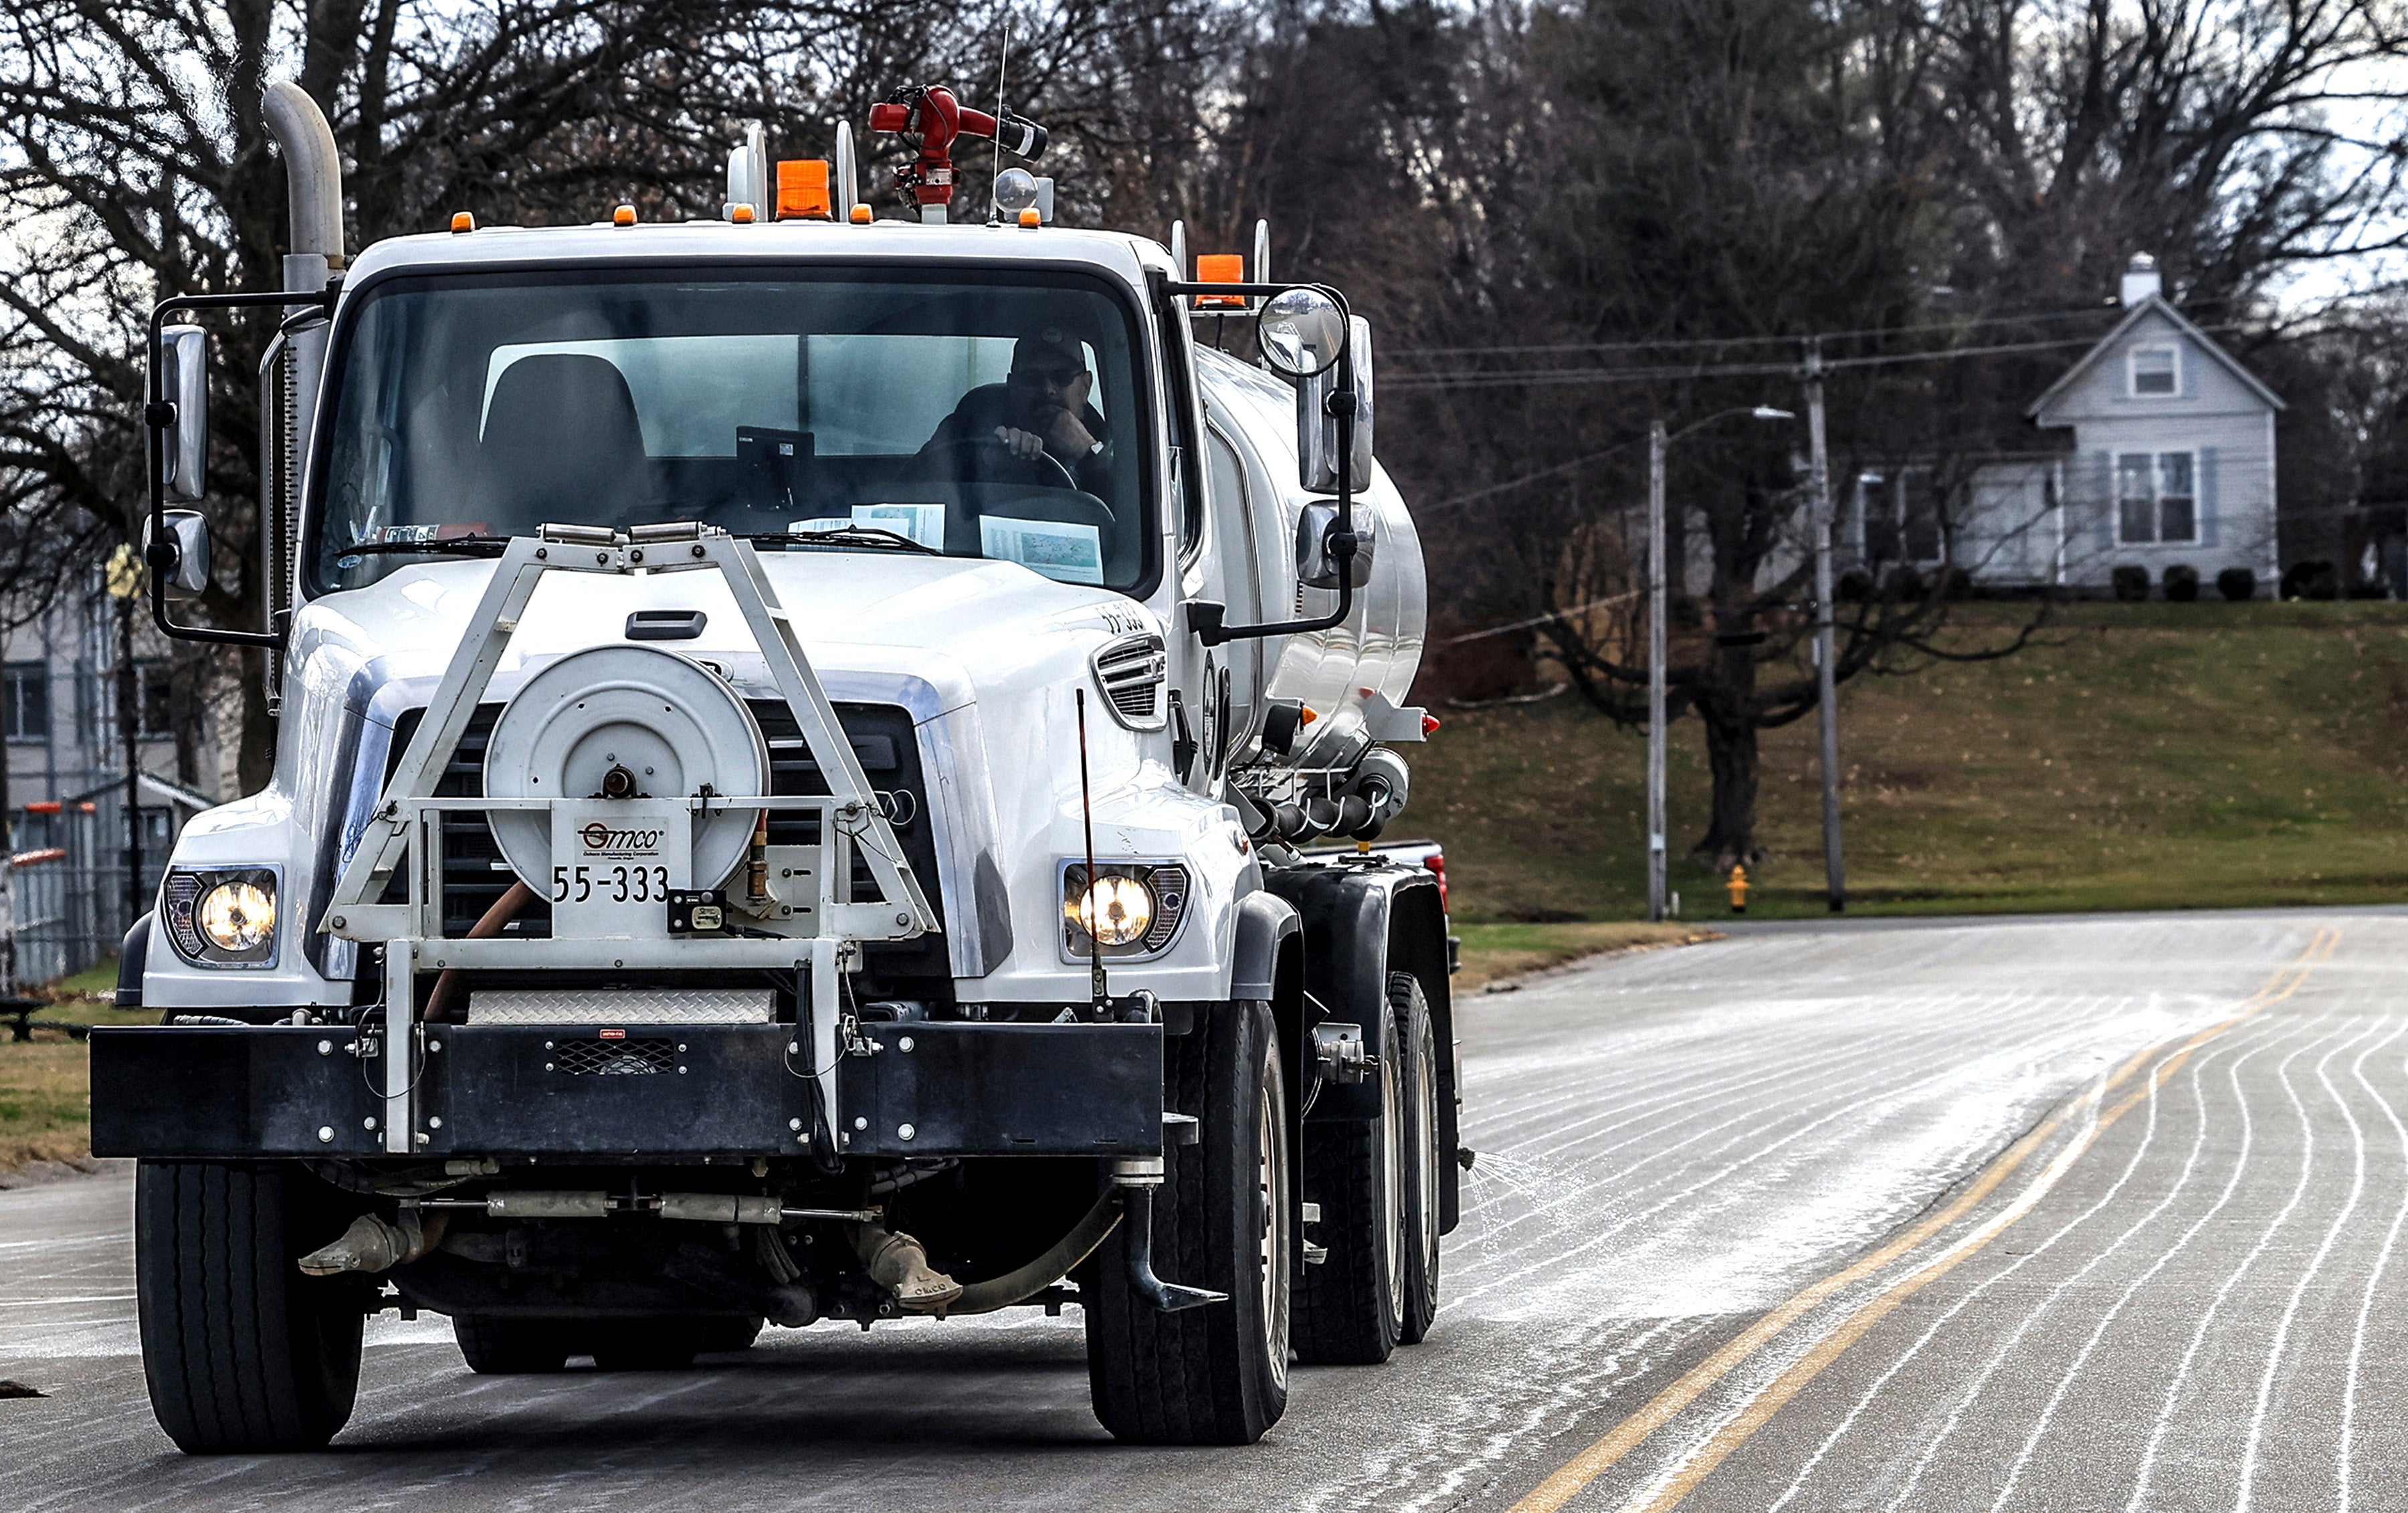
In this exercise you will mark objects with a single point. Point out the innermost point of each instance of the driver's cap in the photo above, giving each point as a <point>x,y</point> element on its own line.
<point>1050,348</point>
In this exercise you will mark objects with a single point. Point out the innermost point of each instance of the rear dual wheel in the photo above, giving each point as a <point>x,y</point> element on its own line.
<point>1376,1182</point>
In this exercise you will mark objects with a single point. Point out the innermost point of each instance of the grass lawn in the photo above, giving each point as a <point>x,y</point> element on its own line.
<point>1491,952</point>
<point>2147,756</point>
<point>46,1083</point>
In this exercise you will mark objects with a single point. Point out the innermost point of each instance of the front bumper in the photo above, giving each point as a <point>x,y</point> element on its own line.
<point>664,1093</point>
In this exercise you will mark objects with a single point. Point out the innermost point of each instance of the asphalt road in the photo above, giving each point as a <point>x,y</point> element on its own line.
<point>2060,1214</point>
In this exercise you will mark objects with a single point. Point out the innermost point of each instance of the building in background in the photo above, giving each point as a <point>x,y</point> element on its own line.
<point>2159,451</point>
<point>66,776</point>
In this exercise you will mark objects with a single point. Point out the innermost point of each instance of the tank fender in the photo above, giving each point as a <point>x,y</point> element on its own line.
<point>1352,913</point>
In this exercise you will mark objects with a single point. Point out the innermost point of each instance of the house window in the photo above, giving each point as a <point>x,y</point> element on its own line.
<point>2156,370</point>
<point>1901,513</point>
<point>156,685</point>
<point>2157,498</point>
<point>25,700</point>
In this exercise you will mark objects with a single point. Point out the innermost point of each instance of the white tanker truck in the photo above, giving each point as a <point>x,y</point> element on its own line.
<point>797,738</point>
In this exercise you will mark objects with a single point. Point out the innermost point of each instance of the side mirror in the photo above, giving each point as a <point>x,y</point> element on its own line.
<point>1317,429</point>
<point>184,373</point>
<point>181,558</point>
<point>1316,565</point>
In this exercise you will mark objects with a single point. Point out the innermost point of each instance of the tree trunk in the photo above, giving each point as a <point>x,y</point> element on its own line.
<point>1731,755</point>
<point>1729,712</point>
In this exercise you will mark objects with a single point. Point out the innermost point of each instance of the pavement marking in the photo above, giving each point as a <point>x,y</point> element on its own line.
<point>2366,1303</point>
<point>2072,1373</point>
<point>2324,1251</point>
<point>2000,1353</point>
<point>1575,1475</point>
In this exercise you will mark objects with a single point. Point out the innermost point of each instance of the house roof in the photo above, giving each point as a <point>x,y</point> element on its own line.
<point>2155,303</point>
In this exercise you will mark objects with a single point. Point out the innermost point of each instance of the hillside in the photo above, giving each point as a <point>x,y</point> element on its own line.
<point>2147,756</point>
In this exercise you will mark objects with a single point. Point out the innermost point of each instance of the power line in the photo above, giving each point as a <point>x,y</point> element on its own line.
<point>1559,378</point>
<point>1542,619</point>
<point>1669,344</point>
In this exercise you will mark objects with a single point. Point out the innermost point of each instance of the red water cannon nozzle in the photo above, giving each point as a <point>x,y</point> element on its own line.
<point>930,113</point>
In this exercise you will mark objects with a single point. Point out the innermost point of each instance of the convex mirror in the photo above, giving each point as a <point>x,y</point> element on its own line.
<point>1298,331</point>
<point>185,573</point>
<point>184,378</point>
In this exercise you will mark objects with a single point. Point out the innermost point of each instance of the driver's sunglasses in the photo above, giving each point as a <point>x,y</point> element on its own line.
<point>1061,378</point>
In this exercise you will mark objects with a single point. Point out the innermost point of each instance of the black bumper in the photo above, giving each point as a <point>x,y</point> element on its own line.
<point>214,1092</point>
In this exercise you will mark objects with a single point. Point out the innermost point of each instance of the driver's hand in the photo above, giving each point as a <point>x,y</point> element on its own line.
<point>1024,444</point>
<point>1067,435</point>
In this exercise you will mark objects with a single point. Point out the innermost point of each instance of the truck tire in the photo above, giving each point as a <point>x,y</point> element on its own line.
<point>497,1346</point>
<point>726,1336</point>
<point>242,1353</point>
<point>1350,1309</point>
<point>1215,1374</point>
<point>1417,1042</point>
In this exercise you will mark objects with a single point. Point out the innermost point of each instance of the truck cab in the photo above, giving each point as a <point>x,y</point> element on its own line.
<point>796,735</point>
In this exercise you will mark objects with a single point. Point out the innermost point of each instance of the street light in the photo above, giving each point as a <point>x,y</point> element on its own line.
<point>125,582</point>
<point>1658,443</point>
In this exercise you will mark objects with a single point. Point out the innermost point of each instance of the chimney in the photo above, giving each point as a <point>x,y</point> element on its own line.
<point>2140,280</point>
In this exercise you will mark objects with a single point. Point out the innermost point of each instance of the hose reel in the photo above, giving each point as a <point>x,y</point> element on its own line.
<point>625,721</point>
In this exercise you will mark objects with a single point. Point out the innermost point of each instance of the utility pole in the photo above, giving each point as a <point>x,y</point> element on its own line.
<point>125,587</point>
<point>1656,443</point>
<point>1827,700</point>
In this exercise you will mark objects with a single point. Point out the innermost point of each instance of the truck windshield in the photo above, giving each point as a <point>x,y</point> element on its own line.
<point>976,418</point>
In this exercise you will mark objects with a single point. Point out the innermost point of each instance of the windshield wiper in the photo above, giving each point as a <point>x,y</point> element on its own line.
<point>457,546</point>
<point>850,536</point>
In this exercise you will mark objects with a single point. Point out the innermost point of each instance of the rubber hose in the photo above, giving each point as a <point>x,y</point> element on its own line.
<point>506,908</point>
<point>1027,1282</point>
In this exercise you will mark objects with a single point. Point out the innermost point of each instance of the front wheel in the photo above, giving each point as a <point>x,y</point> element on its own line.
<point>243,1355</point>
<point>1214,1375</point>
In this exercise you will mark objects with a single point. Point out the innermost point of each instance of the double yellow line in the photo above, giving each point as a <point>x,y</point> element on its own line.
<point>1601,1456</point>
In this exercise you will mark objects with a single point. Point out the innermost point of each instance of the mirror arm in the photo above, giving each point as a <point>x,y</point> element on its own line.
<point>1207,628</point>
<point>158,414</point>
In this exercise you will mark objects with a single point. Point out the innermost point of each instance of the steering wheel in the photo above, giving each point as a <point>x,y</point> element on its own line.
<point>1041,462</point>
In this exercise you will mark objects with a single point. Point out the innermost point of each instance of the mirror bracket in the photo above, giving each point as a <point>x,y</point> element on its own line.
<point>158,414</point>
<point>1209,629</point>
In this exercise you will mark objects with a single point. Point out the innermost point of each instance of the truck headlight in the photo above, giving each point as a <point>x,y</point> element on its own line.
<point>222,917</point>
<point>1134,907</point>
<point>1115,910</point>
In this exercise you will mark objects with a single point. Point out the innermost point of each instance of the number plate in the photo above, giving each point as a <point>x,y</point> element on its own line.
<point>614,864</point>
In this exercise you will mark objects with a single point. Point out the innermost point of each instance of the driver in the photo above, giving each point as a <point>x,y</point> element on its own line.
<point>1040,408</point>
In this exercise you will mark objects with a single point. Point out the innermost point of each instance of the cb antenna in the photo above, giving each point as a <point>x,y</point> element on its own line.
<point>994,212</point>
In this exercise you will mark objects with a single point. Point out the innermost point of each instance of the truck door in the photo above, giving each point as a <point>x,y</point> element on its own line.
<point>1218,560</point>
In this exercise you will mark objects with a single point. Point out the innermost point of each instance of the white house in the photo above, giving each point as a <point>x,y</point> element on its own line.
<point>2172,459</point>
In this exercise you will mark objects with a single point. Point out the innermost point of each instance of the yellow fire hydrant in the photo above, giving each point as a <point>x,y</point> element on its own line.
<point>1738,886</point>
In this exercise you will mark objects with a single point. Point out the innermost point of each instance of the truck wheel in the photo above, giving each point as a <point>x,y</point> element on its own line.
<point>661,1344</point>
<point>1417,1040</point>
<point>1215,1374</point>
<point>504,1346</point>
<point>1350,1309</point>
<point>726,1336</point>
<point>243,1355</point>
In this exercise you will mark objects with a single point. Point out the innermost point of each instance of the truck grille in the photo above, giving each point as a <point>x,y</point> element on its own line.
<point>613,1058</point>
<point>475,876</point>
<point>1131,672</point>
